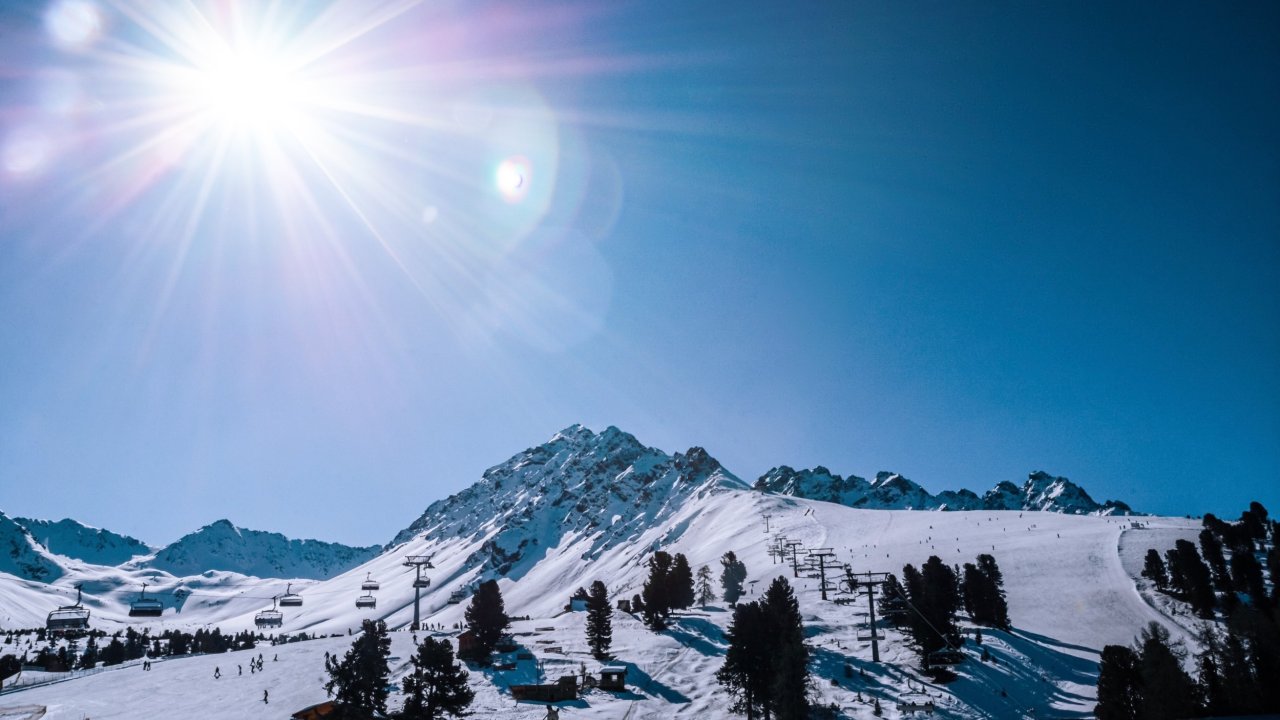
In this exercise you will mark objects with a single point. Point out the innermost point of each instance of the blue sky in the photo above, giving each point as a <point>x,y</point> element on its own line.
<point>958,241</point>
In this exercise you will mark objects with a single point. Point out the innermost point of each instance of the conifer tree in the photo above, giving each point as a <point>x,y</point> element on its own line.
<point>657,591</point>
<point>1211,548</point>
<point>437,685</point>
<point>1197,585</point>
<point>1153,569</point>
<point>1119,684</point>
<point>359,680</point>
<point>732,577</point>
<point>680,583</point>
<point>746,661</point>
<point>1167,690</point>
<point>766,665</point>
<point>788,692</point>
<point>486,617</point>
<point>705,593</point>
<point>599,620</point>
<point>1246,576</point>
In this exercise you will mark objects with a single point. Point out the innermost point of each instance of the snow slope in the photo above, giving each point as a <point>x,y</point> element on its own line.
<point>1070,592</point>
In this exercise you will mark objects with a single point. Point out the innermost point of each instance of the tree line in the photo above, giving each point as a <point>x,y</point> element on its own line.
<point>1236,668</point>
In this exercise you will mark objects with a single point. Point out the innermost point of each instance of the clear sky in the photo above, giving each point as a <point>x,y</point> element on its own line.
<point>312,267</point>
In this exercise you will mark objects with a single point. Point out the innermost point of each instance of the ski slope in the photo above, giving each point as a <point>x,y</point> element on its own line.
<point>1070,592</point>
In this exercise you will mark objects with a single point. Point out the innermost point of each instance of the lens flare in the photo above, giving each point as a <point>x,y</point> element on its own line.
<point>74,24</point>
<point>512,178</point>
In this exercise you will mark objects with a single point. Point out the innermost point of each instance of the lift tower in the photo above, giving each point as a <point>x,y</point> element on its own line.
<point>417,562</point>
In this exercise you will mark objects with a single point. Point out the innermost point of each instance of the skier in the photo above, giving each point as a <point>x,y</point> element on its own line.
<point>217,673</point>
<point>264,696</point>
<point>240,669</point>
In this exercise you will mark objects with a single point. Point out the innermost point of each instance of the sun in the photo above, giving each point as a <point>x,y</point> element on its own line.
<point>244,89</point>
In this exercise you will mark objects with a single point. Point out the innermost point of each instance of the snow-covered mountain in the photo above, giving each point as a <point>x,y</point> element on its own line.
<point>223,546</point>
<point>607,487</point>
<point>587,506</point>
<point>891,491</point>
<point>22,556</point>
<point>76,540</point>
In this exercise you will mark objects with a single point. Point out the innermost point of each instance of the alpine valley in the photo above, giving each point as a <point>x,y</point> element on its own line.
<point>588,506</point>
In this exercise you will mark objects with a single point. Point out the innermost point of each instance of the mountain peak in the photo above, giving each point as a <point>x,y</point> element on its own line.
<point>890,490</point>
<point>606,487</point>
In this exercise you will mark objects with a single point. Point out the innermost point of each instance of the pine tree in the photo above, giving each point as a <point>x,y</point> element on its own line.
<point>599,621</point>
<point>1246,576</point>
<point>788,692</point>
<point>436,686</point>
<point>1153,569</point>
<point>1197,585</point>
<point>1167,690</point>
<point>486,617</point>
<point>995,607</point>
<point>657,591</point>
<point>732,577</point>
<point>1212,687</point>
<point>705,593</point>
<point>1119,684</point>
<point>680,583</point>
<point>359,680</point>
<point>746,661</point>
<point>1211,548</point>
<point>766,664</point>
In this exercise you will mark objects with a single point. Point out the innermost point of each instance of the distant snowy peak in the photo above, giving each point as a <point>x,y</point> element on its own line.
<point>223,546</point>
<point>75,540</point>
<point>891,491</point>
<point>22,556</point>
<point>605,486</point>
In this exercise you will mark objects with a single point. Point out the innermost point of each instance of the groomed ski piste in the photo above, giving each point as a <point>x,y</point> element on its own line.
<point>1071,583</point>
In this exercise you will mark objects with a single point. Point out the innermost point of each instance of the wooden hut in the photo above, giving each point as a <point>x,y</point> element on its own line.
<point>613,677</point>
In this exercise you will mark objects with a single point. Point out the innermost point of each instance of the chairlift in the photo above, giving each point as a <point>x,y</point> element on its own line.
<point>867,635</point>
<point>946,657</point>
<point>457,596</point>
<point>68,617</point>
<point>145,606</point>
<point>290,598</point>
<point>366,601</point>
<point>369,583</point>
<point>269,618</point>
<point>422,582</point>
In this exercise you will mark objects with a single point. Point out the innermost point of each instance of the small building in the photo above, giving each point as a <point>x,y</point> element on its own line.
<point>326,709</point>
<point>467,643</point>
<point>624,606</point>
<point>566,688</point>
<point>613,677</point>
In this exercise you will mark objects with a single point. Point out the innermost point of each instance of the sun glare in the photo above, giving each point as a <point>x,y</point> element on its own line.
<point>249,90</point>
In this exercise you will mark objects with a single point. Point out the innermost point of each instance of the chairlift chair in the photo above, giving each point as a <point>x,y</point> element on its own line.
<point>290,598</point>
<point>68,617</point>
<point>946,657</point>
<point>269,618</point>
<point>422,582</point>
<point>366,601</point>
<point>145,606</point>
<point>369,583</point>
<point>457,596</point>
